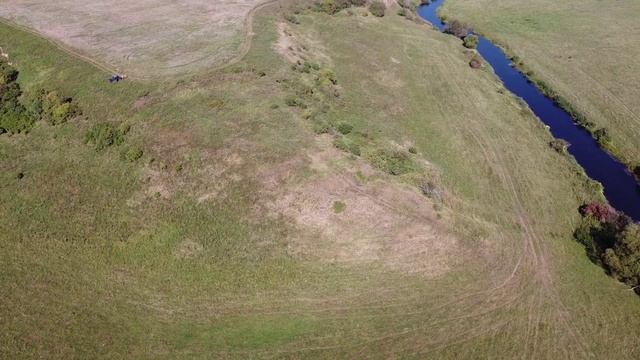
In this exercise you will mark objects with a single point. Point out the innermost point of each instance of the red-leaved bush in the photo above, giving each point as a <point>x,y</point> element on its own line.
<point>601,212</point>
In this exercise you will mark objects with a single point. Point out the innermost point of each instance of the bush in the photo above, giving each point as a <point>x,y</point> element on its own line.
<point>327,77</point>
<point>456,28</point>
<point>471,41</point>
<point>14,117</point>
<point>358,2</point>
<point>344,128</point>
<point>16,122</point>
<point>559,145</point>
<point>623,259</point>
<point>339,206</point>
<point>328,6</point>
<point>430,190</point>
<point>407,4</point>
<point>476,62</point>
<point>394,162</point>
<point>133,153</point>
<point>612,240</point>
<point>345,144</point>
<point>377,8</point>
<point>56,109</point>
<point>103,135</point>
<point>602,136</point>
<point>294,101</point>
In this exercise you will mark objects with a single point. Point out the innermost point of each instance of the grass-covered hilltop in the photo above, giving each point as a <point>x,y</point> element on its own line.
<point>321,180</point>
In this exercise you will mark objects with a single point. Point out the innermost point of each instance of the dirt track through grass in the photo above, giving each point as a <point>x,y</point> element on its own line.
<point>154,38</point>
<point>520,286</point>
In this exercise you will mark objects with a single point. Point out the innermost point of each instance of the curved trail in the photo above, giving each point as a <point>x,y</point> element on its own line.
<point>112,69</point>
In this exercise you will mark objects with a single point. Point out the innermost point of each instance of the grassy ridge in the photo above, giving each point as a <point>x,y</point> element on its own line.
<point>110,258</point>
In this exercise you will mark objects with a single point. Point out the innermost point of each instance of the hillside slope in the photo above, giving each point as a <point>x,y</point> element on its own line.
<point>278,211</point>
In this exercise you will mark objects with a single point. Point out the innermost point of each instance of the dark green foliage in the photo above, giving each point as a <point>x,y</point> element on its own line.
<point>612,240</point>
<point>602,136</point>
<point>623,259</point>
<point>377,8</point>
<point>103,135</point>
<point>333,6</point>
<point>14,117</point>
<point>412,150</point>
<point>8,74</point>
<point>471,41</point>
<point>394,162</point>
<point>344,128</point>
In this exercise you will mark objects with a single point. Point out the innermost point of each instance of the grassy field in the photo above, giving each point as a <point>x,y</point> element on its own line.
<point>586,50</point>
<point>243,233</point>
<point>151,38</point>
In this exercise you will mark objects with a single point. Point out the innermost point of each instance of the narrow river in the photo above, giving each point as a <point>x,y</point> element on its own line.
<point>620,187</point>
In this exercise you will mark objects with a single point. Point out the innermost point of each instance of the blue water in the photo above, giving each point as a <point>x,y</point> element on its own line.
<point>620,186</point>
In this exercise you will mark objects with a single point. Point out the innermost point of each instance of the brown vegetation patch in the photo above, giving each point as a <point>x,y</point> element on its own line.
<point>382,222</point>
<point>145,37</point>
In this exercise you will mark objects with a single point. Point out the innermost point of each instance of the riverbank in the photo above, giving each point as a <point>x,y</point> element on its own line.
<point>583,52</point>
<point>620,186</point>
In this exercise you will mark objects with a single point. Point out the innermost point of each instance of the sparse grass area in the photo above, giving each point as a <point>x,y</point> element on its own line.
<point>586,51</point>
<point>181,253</point>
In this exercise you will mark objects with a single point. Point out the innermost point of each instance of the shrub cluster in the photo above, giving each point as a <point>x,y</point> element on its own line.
<point>333,6</point>
<point>133,153</point>
<point>476,61</point>
<point>602,136</point>
<point>14,117</point>
<point>559,145</point>
<point>612,240</point>
<point>471,41</point>
<point>394,162</point>
<point>104,135</point>
<point>54,108</point>
<point>377,8</point>
<point>457,29</point>
<point>17,117</point>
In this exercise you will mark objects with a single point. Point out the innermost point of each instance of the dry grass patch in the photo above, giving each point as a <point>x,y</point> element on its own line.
<point>148,37</point>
